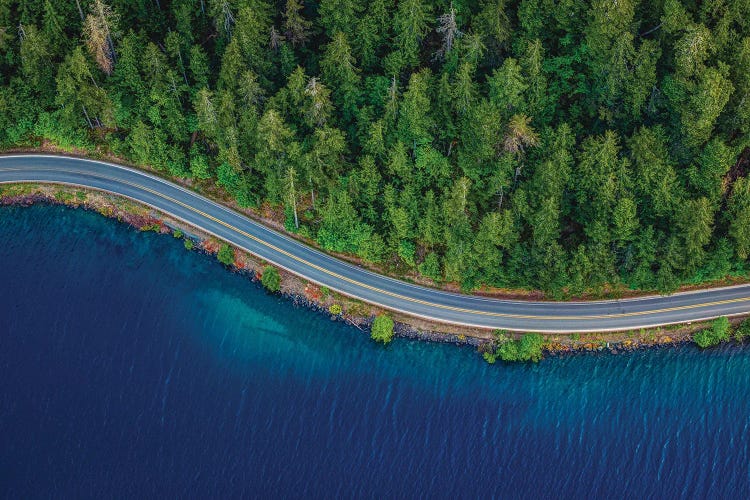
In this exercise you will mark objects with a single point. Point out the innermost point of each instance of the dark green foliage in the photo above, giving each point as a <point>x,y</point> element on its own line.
<point>430,267</point>
<point>271,279</point>
<point>226,255</point>
<point>719,332</point>
<point>569,146</point>
<point>528,347</point>
<point>382,329</point>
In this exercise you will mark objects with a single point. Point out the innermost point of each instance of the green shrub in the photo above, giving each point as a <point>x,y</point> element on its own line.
<point>722,329</point>
<point>719,332</point>
<point>151,227</point>
<point>271,279</point>
<point>527,348</point>
<point>489,356</point>
<point>703,338</point>
<point>530,347</point>
<point>226,255</point>
<point>177,233</point>
<point>199,166</point>
<point>382,329</point>
<point>189,244</point>
<point>743,331</point>
<point>335,309</point>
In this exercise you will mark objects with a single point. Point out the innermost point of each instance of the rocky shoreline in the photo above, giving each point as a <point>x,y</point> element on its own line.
<point>312,297</point>
<point>147,220</point>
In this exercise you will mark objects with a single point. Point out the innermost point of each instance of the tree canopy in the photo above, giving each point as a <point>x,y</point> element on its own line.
<point>563,146</point>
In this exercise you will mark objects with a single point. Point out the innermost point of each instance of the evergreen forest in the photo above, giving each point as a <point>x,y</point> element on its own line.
<point>559,145</point>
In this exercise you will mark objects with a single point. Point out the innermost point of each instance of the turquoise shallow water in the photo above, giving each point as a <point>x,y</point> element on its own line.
<point>130,367</point>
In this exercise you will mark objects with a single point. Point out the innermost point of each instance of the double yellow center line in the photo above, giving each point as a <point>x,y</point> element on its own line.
<point>386,292</point>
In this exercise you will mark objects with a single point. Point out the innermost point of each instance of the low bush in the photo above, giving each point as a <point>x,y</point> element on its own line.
<point>719,332</point>
<point>743,331</point>
<point>271,279</point>
<point>382,329</point>
<point>526,348</point>
<point>335,309</point>
<point>226,255</point>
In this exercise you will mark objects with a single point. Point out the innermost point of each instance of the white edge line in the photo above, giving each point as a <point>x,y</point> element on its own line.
<point>293,241</point>
<point>429,318</point>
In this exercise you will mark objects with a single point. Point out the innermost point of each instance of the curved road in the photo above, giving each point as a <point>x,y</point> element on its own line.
<point>370,287</point>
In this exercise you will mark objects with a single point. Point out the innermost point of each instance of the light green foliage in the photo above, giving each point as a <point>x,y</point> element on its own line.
<point>719,332</point>
<point>430,267</point>
<point>566,146</point>
<point>415,124</point>
<point>199,166</point>
<point>739,217</point>
<point>226,255</point>
<point>528,347</point>
<point>382,329</point>
<point>271,279</point>
<point>743,331</point>
<point>335,309</point>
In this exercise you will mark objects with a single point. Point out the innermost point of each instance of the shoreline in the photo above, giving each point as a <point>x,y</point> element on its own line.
<point>304,294</point>
<point>269,216</point>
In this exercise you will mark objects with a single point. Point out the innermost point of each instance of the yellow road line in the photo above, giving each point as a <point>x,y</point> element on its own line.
<point>396,295</point>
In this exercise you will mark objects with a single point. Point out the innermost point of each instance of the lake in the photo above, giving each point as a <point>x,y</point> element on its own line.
<point>132,367</point>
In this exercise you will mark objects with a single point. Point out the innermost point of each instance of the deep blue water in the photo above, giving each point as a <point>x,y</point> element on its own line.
<point>130,367</point>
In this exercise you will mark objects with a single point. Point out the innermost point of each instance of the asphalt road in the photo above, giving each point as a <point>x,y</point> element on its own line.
<point>356,282</point>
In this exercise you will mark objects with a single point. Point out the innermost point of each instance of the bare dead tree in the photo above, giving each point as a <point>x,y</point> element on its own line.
<point>448,28</point>
<point>291,192</point>
<point>318,98</point>
<point>274,39</point>
<point>227,18</point>
<point>519,134</point>
<point>80,10</point>
<point>96,41</point>
<point>97,29</point>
